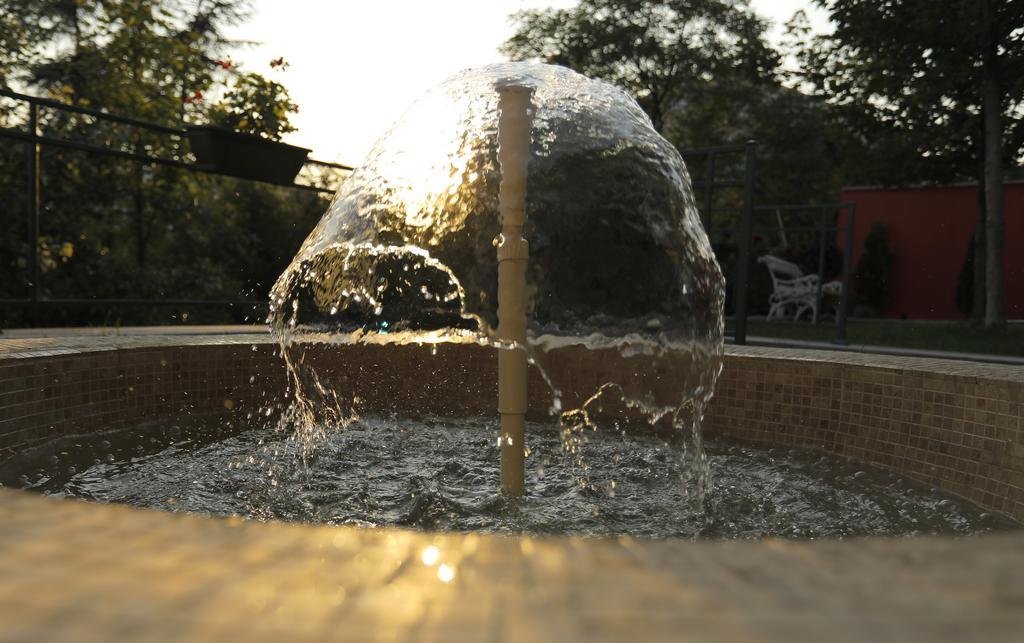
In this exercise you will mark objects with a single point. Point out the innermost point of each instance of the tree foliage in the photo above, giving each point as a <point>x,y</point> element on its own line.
<point>256,105</point>
<point>705,74</point>
<point>140,57</point>
<point>905,78</point>
<point>663,52</point>
<point>112,228</point>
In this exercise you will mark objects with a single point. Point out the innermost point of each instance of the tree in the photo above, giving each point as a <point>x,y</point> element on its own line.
<point>114,228</point>
<point>255,105</point>
<point>663,52</point>
<point>31,28</point>
<point>141,57</point>
<point>941,85</point>
<point>705,74</point>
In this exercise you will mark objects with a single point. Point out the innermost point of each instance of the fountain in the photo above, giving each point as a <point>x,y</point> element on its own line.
<point>388,320</point>
<point>527,211</point>
<point>618,261</point>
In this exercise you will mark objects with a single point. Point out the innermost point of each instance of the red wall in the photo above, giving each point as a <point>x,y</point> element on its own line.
<point>929,232</point>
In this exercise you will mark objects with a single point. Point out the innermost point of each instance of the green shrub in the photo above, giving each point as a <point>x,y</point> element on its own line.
<point>871,278</point>
<point>965,282</point>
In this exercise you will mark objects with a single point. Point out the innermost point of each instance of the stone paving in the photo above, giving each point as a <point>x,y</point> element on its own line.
<point>73,571</point>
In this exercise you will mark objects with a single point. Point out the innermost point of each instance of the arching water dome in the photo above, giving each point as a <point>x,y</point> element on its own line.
<point>618,258</point>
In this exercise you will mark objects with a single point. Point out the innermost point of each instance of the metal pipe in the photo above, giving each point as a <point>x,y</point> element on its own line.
<point>35,102</point>
<point>88,111</point>
<point>513,253</point>
<point>146,158</point>
<point>709,189</point>
<point>133,302</point>
<point>719,149</point>
<point>699,185</point>
<point>823,218</point>
<point>797,228</point>
<point>743,256</point>
<point>337,166</point>
<point>808,207</point>
<point>34,200</point>
<point>844,301</point>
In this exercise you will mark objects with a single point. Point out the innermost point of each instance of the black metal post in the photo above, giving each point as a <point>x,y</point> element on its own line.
<point>34,199</point>
<point>844,301</point>
<point>709,186</point>
<point>821,263</point>
<point>741,293</point>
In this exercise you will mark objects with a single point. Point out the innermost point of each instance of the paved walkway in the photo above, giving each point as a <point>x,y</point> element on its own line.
<point>884,350</point>
<point>78,572</point>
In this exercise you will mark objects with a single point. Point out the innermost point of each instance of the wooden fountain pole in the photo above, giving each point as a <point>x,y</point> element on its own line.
<point>513,253</point>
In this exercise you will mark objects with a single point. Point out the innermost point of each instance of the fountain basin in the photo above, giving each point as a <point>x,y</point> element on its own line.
<point>116,572</point>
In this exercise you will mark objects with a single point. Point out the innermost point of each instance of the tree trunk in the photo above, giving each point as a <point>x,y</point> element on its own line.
<point>994,312</point>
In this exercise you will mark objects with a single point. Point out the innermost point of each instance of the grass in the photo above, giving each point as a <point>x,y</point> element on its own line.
<point>959,337</point>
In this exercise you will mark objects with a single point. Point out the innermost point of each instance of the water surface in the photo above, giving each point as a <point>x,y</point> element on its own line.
<point>442,474</point>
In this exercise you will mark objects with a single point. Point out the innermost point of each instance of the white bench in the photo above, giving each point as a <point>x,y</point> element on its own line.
<point>791,288</point>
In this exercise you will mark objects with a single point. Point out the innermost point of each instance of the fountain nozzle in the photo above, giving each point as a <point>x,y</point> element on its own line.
<point>513,254</point>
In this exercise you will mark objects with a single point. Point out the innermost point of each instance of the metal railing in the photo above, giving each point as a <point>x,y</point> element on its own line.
<point>822,230</point>
<point>35,141</point>
<point>713,182</point>
<point>709,183</point>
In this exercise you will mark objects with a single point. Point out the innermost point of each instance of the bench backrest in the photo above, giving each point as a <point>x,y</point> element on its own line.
<point>780,268</point>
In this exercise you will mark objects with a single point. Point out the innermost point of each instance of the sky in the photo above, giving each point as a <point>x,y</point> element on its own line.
<point>356,65</point>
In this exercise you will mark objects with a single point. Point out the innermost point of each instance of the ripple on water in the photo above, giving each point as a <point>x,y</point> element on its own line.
<point>434,473</point>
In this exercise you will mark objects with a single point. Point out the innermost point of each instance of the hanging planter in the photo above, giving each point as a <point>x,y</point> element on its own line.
<point>245,156</point>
